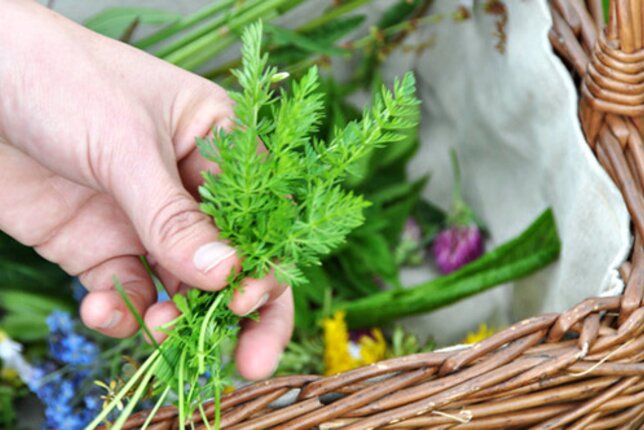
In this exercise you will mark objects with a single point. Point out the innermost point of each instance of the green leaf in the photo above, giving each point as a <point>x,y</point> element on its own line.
<point>114,22</point>
<point>535,248</point>
<point>24,327</point>
<point>284,37</point>
<point>21,268</point>
<point>34,304</point>
<point>375,256</point>
<point>318,283</point>
<point>398,12</point>
<point>326,35</point>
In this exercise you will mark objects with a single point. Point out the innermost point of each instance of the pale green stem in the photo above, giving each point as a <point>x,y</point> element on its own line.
<point>131,404</point>
<point>184,23</point>
<point>204,417</point>
<point>201,354</point>
<point>211,43</point>
<point>180,389</point>
<point>209,28</point>
<point>152,360</point>
<point>334,13</point>
<point>157,406</point>
<point>217,399</point>
<point>361,43</point>
<point>404,25</point>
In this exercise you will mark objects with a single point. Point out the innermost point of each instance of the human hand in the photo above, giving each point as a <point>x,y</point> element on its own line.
<point>98,166</point>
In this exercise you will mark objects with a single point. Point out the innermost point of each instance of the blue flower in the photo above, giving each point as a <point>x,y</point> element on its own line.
<point>78,290</point>
<point>69,421</point>
<point>66,391</point>
<point>56,411</point>
<point>75,350</point>
<point>60,322</point>
<point>93,403</point>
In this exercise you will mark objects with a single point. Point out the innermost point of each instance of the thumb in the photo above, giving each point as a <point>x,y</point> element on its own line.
<point>169,223</point>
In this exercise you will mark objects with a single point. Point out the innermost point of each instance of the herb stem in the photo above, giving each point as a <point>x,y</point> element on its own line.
<point>134,400</point>
<point>184,23</point>
<point>201,354</point>
<point>180,389</point>
<point>204,417</point>
<point>217,399</point>
<point>207,29</point>
<point>333,13</point>
<point>157,406</point>
<point>204,44</point>
<point>151,362</point>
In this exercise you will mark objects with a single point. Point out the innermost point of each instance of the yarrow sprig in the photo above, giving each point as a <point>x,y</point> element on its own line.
<point>282,207</point>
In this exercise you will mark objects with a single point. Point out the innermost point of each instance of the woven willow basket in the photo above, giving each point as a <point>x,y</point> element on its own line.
<point>583,369</point>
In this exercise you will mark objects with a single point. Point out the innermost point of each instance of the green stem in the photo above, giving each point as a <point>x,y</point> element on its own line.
<point>295,69</point>
<point>150,362</point>
<point>456,191</point>
<point>333,13</point>
<point>154,410</point>
<point>134,400</point>
<point>538,246</point>
<point>204,417</point>
<point>184,23</point>
<point>205,43</point>
<point>134,311</point>
<point>197,33</point>
<point>180,389</point>
<point>218,397</point>
<point>201,354</point>
<point>402,26</point>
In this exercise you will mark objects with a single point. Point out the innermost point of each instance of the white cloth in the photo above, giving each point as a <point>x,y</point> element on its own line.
<point>513,119</point>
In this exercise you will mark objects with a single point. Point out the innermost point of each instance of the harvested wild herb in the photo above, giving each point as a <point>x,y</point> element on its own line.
<point>282,209</point>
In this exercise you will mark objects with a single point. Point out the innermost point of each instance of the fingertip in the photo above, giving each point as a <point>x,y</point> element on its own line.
<point>261,342</point>
<point>257,362</point>
<point>158,315</point>
<point>105,312</point>
<point>254,294</point>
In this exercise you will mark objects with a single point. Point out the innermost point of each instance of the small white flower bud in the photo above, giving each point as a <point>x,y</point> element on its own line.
<point>278,77</point>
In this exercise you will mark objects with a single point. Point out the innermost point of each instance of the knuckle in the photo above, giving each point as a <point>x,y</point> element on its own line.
<point>175,220</point>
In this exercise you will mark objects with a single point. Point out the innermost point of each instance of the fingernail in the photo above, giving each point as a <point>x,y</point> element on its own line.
<point>116,317</point>
<point>261,302</point>
<point>210,255</point>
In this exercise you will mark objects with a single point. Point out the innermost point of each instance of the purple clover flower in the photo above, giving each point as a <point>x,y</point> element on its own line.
<point>462,241</point>
<point>456,246</point>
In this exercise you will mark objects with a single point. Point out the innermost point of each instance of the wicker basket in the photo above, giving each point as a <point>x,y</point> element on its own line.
<point>583,369</point>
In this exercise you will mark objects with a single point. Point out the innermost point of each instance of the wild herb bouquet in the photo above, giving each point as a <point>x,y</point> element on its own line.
<point>282,209</point>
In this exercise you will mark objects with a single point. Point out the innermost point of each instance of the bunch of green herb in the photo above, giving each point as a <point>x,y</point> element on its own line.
<point>282,209</point>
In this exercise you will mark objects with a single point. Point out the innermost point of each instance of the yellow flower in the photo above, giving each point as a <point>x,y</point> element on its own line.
<point>483,333</point>
<point>337,346</point>
<point>3,336</point>
<point>337,357</point>
<point>111,393</point>
<point>373,349</point>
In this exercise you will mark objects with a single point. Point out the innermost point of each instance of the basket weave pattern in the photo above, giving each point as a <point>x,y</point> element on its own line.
<point>582,369</point>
